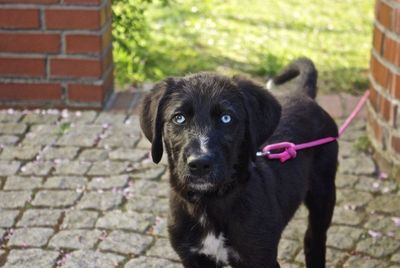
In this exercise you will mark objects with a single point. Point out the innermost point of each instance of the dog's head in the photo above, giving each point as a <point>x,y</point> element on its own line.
<point>211,126</point>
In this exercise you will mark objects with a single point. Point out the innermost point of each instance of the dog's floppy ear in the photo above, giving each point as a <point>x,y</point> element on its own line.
<point>151,120</point>
<point>263,112</point>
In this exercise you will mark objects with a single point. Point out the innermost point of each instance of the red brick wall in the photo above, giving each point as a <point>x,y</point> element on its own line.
<point>55,53</point>
<point>384,105</point>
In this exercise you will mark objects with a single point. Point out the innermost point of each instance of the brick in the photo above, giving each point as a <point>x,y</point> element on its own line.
<point>374,99</point>
<point>389,49</point>
<point>88,43</point>
<point>376,128</point>
<point>74,19</point>
<point>22,67</point>
<point>384,15</point>
<point>25,91</point>
<point>386,109</point>
<point>19,18</point>
<point>396,144</point>
<point>85,93</point>
<point>378,37</point>
<point>85,2</point>
<point>76,67</point>
<point>380,73</point>
<point>29,42</point>
<point>30,1</point>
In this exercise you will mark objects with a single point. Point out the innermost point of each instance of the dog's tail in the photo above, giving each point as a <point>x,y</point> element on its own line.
<point>305,73</point>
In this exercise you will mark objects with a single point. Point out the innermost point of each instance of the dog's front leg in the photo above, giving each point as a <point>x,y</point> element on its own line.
<point>199,261</point>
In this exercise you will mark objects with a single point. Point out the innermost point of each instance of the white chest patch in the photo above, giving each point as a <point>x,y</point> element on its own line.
<point>215,247</point>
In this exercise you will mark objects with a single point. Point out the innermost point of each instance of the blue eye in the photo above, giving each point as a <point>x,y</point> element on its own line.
<point>226,119</point>
<point>179,119</point>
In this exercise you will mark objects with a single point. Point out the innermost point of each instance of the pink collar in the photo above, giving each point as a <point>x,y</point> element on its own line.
<point>290,149</point>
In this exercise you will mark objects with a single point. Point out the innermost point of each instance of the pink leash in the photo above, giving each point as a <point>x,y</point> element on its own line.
<point>290,149</point>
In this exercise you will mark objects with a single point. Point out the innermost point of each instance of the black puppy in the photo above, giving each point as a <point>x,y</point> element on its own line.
<point>228,206</point>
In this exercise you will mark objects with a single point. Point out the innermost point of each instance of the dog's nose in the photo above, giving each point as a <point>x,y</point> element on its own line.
<point>199,164</point>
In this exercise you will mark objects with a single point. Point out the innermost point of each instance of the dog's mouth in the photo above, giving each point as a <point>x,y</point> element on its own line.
<point>199,184</point>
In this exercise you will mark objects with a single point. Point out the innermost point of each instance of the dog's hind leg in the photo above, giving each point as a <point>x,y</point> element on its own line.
<point>320,201</point>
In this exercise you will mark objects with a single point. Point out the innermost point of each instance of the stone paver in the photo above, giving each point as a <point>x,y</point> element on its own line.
<point>128,220</point>
<point>22,183</point>
<point>78,189</point>
<point>14,199</point>
<point>22,258</point>
<point>7,217</point>
<point>40,217</point>
<point>126,242</point>
<point>75,239</point>
<point>100,200</point>
<point>80,219</point>
<point>32,237</point>
<point>55,198</point>
<point>91,259</point>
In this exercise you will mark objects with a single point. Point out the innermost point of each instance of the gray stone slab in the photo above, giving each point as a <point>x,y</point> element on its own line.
<point>352,198</point>
<point>80,117</point>
<point>30,237</point>
<point>91,259</point>
<point>364,262</point>
<point>375,185</point>
<point>54,153</point>
<point>72,167</point>
<point>386,203</point>
<point>8,168</point>
<point>128,154</point>
<point>100,200</point>
<point>37,138</point>
<point>14,199</point>
<point>295,230</point>
<point>117,181</point>
<point>8,139</point>
<point>40,118</point>
<point>126,243</point>
<point>149,262</point>
<point>81,137</point>
<point>128,220</point>
<point>378,247</point>
<point>7,218</point>
<point>22,183</point>
<point>360,165</point>
<point>79,219</point>
<point>20,152</point>
<point>154,173</point>
<point>75,239</point>
<point>13,128</point>
<point>345,180</point>
<point>159,227</point>
<point>344,237</point>
<point>40,217</point>
<point>93,155</point>
<point>116,139</point>
<point>288,249</point>
<point>104,168</point>
<point>10,115</point>
<point>152,188</point>
<point>162,249</point>
<point>55,198</point>
<point>383,224</point>
<point>37,168</point>
<point>66,182</point>
<point>345,215</point>
<point>110,118</point>
<point>396,257</point>
<point>38,258</point>
<point>148,204</point>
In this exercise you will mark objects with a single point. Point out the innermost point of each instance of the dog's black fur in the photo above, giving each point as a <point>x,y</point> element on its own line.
<point>220,187</point>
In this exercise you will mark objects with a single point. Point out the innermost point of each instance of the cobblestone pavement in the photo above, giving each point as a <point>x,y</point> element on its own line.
<point>77,190</point>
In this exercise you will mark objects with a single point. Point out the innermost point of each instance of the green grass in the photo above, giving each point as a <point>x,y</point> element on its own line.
<point>256,37</point>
